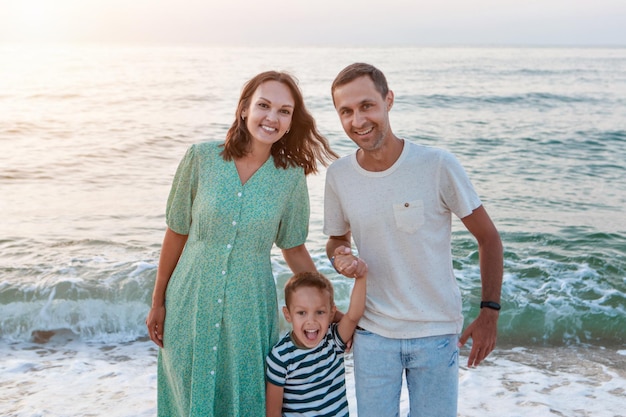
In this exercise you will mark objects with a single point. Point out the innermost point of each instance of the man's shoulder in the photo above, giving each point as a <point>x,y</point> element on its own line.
<point>341,163</point>
<point>421,148</point>
<point>343,160</point>
<point>431,153</point>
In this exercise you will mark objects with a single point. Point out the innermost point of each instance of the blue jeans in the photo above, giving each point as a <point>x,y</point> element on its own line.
<point>432,375</point>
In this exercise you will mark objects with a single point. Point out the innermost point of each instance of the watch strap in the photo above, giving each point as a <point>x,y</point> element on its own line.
<point>490,304</point>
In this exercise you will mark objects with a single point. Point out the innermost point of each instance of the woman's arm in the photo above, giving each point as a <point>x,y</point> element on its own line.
<point>173,244</point>
<point>298,259</point>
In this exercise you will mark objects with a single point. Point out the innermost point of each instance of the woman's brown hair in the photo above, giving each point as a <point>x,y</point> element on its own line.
<point>302,146</point>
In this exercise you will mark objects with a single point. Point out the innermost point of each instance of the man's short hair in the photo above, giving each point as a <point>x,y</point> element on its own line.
<point>357,70</point>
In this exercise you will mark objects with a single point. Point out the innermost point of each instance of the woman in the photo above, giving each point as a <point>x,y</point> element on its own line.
<point>228,205</point>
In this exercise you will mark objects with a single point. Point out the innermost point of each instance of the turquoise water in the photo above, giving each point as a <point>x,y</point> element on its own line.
<point>90,137</point>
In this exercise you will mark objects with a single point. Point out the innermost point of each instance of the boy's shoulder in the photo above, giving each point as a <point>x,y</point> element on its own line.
<point>285,342</point>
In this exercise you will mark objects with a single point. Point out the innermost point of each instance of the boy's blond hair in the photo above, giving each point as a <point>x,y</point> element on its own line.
<point>311,280</point>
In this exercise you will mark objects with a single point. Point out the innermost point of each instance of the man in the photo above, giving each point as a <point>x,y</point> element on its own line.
<point>395,199</point>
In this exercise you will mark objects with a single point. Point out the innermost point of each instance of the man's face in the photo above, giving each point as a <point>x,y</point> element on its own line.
<point>363,112</point>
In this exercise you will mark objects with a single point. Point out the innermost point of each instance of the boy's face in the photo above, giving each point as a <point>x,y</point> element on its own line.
<point>310,314</point>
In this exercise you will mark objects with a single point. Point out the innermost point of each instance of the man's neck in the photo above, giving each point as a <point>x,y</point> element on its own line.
<point>383,158</point>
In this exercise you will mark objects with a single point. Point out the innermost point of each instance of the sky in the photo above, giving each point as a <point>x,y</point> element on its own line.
<point>317,22</point>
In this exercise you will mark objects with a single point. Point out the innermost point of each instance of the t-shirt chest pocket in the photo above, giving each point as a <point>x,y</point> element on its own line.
<point>409,215</point>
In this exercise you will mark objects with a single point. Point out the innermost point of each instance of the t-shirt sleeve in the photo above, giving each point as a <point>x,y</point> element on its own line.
<point>182,194</point>
<point>334,219</point>
<point>294,224</point>
<point>457,190</point>
<point>340,345</point>
<point>276,372</point>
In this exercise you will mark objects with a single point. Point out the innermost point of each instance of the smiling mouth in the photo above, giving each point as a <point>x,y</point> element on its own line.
<point>269,129</point>
<point>363,133</point>
<point>311,334</point>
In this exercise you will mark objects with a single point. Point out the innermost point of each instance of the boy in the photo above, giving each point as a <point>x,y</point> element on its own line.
<point>305,372</point>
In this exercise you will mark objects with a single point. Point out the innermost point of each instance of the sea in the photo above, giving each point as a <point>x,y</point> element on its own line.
<point>91,135</point>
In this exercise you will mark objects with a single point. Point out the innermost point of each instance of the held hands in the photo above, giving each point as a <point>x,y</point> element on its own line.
<point>347,264</point>
<point>155,320</point>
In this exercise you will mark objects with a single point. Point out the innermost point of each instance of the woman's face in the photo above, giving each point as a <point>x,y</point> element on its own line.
<point>268,117</point>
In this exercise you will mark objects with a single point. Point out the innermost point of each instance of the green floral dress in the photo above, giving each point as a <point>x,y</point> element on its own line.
<point>221,308</point>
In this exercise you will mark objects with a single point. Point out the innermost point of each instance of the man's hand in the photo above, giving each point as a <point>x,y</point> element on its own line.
<point>347,264</point>
<point>483,332</point>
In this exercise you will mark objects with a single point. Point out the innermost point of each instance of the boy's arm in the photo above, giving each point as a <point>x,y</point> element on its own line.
<point>273,400</point>
<point>349,321</point>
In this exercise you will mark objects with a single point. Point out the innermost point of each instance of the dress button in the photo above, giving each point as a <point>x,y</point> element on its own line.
<point>223,272</point>
<point>234,223</point>
<point>214,347</point>
<point>238,194</point>
<point>219,300</point>
<point>212,372</point>
<point>217,325</point>
<point>229,246</point>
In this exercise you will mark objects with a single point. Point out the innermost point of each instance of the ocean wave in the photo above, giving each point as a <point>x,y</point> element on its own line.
<point>95,303</point>
<point>535,100</point>
<point>558,290</point>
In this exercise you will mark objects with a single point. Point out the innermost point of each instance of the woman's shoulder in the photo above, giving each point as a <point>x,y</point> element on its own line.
<point>203,151</point>
<point>208,147</point>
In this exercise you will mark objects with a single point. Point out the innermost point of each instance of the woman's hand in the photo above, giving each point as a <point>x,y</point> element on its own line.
<point>173,245</point>
<point>155,320</point>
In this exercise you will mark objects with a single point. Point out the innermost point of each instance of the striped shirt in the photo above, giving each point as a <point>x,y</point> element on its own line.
<point>313,379</point>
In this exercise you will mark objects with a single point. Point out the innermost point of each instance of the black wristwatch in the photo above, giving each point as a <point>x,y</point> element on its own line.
<point>490,304</point>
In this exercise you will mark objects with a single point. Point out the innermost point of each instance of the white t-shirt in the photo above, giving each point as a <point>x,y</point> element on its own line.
<point>400,221</point>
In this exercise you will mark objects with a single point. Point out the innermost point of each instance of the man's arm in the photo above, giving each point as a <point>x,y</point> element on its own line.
<point>339,248</point>
<point>484,329</point>
<point>336,241</point>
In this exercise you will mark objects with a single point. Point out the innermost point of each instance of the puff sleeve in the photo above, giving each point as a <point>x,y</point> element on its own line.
<point>294,225</point>
<point>182,194</point>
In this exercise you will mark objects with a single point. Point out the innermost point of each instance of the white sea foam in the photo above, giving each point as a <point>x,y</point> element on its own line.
<point>63,377</point>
